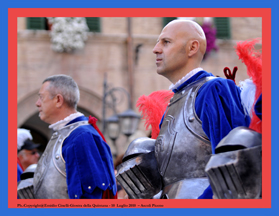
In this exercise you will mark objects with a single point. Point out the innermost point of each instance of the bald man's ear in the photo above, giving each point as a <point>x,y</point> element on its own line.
<point>194,47</point>
<point>59,100</point>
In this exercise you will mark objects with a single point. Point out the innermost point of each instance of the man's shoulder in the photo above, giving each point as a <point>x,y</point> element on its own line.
<point>82,135</point>
<point>219,83</point>
<point>83,130</point>
<point>218,87</point>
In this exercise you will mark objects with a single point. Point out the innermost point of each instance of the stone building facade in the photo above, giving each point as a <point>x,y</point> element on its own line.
<point>106,53</point>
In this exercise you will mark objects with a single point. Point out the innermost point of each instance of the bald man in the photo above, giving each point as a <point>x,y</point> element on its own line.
<point>203,110</point>
<point>180,49</point>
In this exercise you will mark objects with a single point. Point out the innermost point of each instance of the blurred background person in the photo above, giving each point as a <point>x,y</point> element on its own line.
<point>27,151</point>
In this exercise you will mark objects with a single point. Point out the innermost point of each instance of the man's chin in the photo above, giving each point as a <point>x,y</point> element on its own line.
<point>41,117</point>
<point>160,72</point>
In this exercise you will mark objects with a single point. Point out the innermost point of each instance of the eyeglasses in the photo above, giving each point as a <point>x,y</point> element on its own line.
<point>32,153</point>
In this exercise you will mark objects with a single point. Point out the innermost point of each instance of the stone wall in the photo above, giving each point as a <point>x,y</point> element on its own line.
<point>106,53</point>
<point>244,28</point>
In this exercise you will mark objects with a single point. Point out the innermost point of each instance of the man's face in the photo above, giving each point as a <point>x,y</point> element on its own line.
<point>46,105</point>
<point>28,157</point>
<point>170,50</point>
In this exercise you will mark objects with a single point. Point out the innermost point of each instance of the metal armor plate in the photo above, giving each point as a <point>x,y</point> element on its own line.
<point>235,171</point>
<point>50,175</point>
<point>138,173</point>
<point>182,149</point>
<point>25,186</point>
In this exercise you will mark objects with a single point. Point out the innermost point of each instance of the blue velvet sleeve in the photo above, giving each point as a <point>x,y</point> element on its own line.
<point>19,172</point>
<point>218,105</point>
<point>89,165</point>
<point>258,107</point>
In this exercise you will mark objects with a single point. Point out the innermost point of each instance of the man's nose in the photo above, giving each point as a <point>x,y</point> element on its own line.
<point>37,103</point>
<point>37,155</point>
<point>157,49</point>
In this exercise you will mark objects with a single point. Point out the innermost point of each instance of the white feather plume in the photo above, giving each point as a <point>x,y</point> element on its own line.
<point>22,136</point>
<point>248,91</point>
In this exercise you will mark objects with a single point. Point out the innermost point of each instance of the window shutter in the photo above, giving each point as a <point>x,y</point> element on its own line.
<point>36,23</point>
<point>93,24</point>
<point>223,27</point>
<point>166,20</point>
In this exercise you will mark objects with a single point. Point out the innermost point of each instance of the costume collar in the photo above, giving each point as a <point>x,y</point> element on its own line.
<point>197,76</point>
<point>60,124</point>
<point>186,77</point>
<point>80,118</point>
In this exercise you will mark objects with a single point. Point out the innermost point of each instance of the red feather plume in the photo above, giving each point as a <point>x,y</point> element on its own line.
<point>93,122</point>
<point>253,61</point>
<point>152,108</point>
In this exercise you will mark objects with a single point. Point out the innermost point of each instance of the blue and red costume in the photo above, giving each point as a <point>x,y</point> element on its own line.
<point>218,106</point>
<point>89,164</point>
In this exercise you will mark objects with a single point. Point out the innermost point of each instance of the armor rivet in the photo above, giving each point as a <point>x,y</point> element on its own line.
<point>71,127</point>
<point>191,118</point>
<point>89,187</point>
<point>57,157</point>
<point>60,140</point>
<point>103,184</point>
<point>183,92</point>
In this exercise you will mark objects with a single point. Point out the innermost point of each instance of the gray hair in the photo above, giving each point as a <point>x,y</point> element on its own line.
<point>66,86</point>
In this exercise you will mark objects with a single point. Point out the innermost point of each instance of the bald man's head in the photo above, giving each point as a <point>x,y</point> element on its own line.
<point>180,48</point>
<point>189,30</point>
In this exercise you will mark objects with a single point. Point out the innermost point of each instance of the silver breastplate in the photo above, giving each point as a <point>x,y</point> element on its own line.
<point>50,175</point>
<point>182,149</point>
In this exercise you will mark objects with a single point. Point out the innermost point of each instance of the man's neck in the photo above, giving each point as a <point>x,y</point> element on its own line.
<point>62,122</point>
<point>66,112</point>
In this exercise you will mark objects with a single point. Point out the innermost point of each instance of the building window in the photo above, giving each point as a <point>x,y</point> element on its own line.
<point>166,20</point>
<point>40,23</point>
<point>223,27</point>
<point>37,23</point>
<point>93,24</point>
